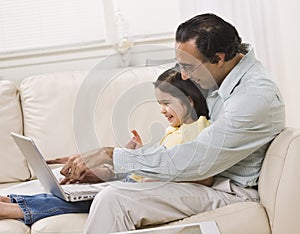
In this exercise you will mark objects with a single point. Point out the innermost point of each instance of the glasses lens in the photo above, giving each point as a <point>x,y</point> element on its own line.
<point>187,68</point>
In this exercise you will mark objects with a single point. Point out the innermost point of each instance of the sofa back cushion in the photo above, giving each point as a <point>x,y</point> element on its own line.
<point>127,102</point>
<point>279,187</point>
<point>13,166</point>
<point>71,112</point>
<point>47,102</point>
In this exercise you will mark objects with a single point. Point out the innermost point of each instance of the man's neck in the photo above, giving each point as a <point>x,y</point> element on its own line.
<point>228,66</point>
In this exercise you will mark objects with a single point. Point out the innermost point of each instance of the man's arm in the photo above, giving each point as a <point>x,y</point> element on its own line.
<point>248,123</point>
<point>87,167</point>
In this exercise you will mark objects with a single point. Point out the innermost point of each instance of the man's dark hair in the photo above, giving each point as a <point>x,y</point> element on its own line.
<point>212,35</point>
<point>171,82</point>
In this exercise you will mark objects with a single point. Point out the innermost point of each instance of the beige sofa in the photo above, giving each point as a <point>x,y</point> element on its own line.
<point>49,109</point>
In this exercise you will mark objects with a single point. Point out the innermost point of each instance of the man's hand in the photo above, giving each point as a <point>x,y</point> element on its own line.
<point>63,160</point>
<point>94,175</point>
<point>87,167</point>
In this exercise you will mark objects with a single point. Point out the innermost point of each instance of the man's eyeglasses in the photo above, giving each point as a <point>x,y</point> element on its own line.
<point>188,68</point>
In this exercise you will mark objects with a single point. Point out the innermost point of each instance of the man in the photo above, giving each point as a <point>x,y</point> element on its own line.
<point>246,112</point>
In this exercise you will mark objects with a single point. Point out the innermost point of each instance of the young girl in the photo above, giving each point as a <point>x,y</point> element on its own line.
<point>184,106</point>
<point>185,109</point>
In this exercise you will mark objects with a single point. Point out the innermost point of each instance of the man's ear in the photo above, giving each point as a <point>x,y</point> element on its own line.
<point>221,59</point>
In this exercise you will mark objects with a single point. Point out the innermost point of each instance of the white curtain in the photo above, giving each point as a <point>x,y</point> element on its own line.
<point>272,28</point>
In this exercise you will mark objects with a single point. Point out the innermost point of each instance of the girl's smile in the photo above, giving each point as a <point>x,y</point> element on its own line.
<point>172,108</point>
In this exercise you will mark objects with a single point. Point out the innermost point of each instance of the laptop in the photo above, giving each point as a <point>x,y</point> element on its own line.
<point>69,192</point>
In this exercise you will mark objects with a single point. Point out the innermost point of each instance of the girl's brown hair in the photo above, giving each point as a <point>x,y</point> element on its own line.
<point>171,82</point>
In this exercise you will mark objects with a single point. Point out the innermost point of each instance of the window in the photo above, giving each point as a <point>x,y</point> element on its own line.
<point>35,24</point>
<point>153,18</point>
<point>29,25</point>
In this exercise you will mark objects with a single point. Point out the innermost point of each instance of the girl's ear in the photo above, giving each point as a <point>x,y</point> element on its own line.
<point>192,111</point>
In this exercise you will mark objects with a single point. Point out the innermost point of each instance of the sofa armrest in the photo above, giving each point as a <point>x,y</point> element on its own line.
<point>242,217</point>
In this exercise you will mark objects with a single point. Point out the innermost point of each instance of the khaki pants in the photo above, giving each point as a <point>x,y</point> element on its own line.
<point>127,206</point>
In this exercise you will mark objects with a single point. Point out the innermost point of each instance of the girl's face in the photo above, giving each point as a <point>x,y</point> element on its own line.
<point>173,109</point>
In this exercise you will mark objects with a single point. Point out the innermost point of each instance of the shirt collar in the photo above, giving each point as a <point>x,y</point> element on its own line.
<point>236,74</point>
<point>171,129</point>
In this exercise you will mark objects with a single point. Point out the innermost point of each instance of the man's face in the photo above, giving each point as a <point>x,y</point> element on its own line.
<point>192,65</point>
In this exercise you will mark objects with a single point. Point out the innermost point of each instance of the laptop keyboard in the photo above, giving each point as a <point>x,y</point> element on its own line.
<point>79,188</point>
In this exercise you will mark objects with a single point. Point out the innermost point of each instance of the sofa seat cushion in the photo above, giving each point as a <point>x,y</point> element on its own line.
<point>63,224</point>
<point>7,186</point>
<point>10,226</point>
<point>242,217</point>
<point>13,165</point>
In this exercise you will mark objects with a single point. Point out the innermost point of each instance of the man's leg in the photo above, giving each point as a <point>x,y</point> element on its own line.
<point>126,206</point>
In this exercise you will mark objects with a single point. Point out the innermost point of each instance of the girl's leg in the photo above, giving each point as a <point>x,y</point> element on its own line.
<point>10,211</point>
<point>4,199</point>
<point>40,206</point>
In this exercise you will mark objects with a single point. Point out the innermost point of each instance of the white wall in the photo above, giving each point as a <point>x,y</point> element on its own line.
<point>18,67</point>
<point>288,13</point>
<point>286,52</point>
